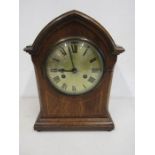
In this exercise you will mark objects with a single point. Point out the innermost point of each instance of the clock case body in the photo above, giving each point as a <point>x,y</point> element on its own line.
<point>88,111</point>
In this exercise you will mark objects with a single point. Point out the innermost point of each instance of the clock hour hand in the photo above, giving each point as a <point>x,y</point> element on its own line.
<point>65,70</point>
<point>74,70</point>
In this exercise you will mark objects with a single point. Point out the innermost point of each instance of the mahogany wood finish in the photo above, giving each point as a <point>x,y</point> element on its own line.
<point>83,112</point>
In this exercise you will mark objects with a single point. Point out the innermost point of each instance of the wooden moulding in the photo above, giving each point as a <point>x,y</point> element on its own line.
<point>73,124</point>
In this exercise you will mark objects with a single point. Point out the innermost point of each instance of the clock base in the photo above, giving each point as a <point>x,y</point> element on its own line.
<point>55,124</point>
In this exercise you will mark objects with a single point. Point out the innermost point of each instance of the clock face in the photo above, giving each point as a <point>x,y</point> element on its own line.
<point>74,66</point>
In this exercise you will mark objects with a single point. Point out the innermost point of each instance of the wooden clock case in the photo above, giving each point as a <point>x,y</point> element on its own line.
<point>65,112</point>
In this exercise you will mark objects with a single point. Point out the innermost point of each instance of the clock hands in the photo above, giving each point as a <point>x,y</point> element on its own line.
<point>74,70</point>
<point>65,70</point>
<point>71,58</point>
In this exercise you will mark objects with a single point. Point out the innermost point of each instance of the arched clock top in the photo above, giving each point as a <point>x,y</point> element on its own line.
<point>74,58</point>
<point>78,18</point>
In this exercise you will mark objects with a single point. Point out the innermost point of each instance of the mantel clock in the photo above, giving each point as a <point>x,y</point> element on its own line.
<point>74,58</point>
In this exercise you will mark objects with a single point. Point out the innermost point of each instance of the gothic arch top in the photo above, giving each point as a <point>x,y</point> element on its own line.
<point>72,17</point>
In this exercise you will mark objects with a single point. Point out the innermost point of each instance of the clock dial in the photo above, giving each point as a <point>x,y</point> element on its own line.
<point>74,66</point>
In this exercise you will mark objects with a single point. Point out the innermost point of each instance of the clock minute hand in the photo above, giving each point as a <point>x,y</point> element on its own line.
<point>71,58</point>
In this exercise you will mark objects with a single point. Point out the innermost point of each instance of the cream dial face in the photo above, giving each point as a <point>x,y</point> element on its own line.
<point>74,66</point>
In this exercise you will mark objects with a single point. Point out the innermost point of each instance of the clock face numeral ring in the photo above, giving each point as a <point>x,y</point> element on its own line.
<point>74,66</point>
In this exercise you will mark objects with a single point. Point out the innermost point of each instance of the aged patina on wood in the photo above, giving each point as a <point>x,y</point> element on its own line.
<point>65,112</point>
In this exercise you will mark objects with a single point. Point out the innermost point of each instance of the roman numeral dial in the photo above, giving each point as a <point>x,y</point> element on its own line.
<point>86,50</point>
<point>74,88</point>
<point>74,47</point>
<point>74,66</point>
<point>64,86</point>
<point>96,70</point>
<point>63,52</point>
<point>91,79</point>
<point>56,79</point>
<point>92,60</point>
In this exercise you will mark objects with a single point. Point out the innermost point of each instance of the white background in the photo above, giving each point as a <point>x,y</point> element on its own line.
<point>116,16</point>
<point>9,86</point>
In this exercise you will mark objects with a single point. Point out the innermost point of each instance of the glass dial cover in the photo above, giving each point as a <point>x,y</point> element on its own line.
<point>74,66</point>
